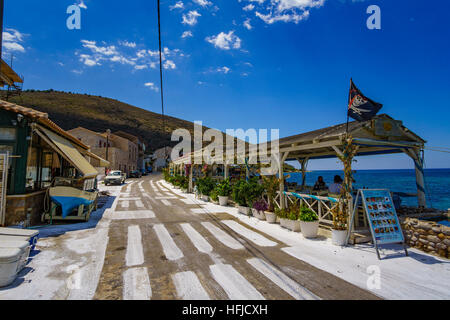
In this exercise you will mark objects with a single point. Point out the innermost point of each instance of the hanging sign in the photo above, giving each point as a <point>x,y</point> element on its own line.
<point>383,220</point>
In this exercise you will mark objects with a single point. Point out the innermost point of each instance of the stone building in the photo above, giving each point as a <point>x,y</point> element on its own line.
<point>121,152</point>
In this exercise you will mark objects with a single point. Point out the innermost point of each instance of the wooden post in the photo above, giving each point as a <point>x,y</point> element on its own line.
<point>304,164</point>
<point>281,158</point>
<point>420,180</point>
<point>225,170</point>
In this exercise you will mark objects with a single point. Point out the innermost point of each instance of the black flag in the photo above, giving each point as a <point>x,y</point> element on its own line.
<point>360,107</point>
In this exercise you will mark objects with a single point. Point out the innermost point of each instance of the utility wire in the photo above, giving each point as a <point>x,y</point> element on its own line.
<point>161,79</point>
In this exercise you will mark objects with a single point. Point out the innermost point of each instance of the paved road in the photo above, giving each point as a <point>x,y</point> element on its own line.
<point>163,245</point>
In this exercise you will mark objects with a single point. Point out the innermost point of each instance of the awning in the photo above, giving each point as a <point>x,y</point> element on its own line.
<point>67,150</point>
<point>103,162</point>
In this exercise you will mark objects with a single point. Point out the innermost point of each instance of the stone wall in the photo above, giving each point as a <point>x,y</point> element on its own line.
<point>427,236</point>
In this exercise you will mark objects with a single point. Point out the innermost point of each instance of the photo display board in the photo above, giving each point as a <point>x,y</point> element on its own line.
<point>382,216</point>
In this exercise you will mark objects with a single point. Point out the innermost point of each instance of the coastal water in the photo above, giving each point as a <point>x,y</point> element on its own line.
<point>437,183</point>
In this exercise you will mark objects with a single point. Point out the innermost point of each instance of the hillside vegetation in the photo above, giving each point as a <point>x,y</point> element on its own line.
<point>70,110</point>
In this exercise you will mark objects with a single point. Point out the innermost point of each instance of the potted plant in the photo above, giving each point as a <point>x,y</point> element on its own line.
<point>254,191</point>
<point>205,186</point>
<point>293,213</point>
<point>309,222</point>
<point>213,196</point>
<point>240,190</point>
<point>271,186</point>
<point>258,209</point>
<point>282,215</point>
<point>223,190</point>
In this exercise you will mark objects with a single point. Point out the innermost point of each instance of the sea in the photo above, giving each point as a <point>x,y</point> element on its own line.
<point>437,183</point>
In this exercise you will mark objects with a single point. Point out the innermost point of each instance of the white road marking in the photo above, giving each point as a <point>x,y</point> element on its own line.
<point>166,198</point>
<point>189,201</point>
<point>170,249</point>
<point>166,202</point>
<point>129,198</point>
<point>222,236</point>
<point>281,280</point>
<point>196,238</point>
<point>139,204</point>
<point>189,287</point>
<point>249,234</point>
<point>128,215</point>
<point>158,194</point>
<point>135,253</point>
<point>125,203</point>
<point>136,284</point>
<point>234,284</point>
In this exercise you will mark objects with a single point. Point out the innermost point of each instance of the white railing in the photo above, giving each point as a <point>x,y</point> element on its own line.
<point>321,205</point>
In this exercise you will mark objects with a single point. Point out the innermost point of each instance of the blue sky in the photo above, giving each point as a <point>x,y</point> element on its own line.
<point>247,64</point>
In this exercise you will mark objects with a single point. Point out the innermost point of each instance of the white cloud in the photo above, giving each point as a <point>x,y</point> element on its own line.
<point>247,24</point>
<point>128,44</point>
<point>12,40</point>
<point>81,4</point>
<point>203,3</point>
<point>151,86</point>
<point>140,58</point>
<point>249,7</point>
<point>169,64</point>
<point>283,10</point>
<point>224,70</point>
<point>225,41</point>
<point>178,5</point>
<point>187,34</point>
<point>140,66</point>
<point>191,18</point>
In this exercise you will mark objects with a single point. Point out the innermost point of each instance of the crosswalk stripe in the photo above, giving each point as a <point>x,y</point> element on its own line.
<point>166,202</point>
<point>139,204</point>
<point>281,280</point>
<point>139,214</point>
<point>136,284</point>
<point>249,234</point>
<point>189,287</point>
<point>135,253</point>
<point>125,203</point>
<point>128,198</point>
<point>222,236</point>
<point>233,283</point>
<point>170,249</point>
<point>196,238</point>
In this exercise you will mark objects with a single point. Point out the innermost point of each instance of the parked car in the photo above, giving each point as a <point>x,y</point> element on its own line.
<point>115,177</point>
<point>135,174</point>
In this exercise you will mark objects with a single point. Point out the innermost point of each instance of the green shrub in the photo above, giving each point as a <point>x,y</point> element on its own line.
<point>223,188</point>
<point>281,213</point>
<point>254,191</point>
<point>213,195</point>
<point>205,185</point>
<point>240,189</point>
<point>307,215</point>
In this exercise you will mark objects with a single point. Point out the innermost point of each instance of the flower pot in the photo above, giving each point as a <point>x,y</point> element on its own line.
<point>223,201</point>
<point>309,229</point>
<point>177,187</point>
<point>294,225</point>
<point>184,190</point>
<point>284,222</point>
<point>244,210</point>
<point>261,215</point>
<point>205,198</point>
<point>255,213</point>
<point>270,217</point>
<point>339,237</point>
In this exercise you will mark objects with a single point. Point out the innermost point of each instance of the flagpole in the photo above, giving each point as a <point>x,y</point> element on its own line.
<point>346,130</point>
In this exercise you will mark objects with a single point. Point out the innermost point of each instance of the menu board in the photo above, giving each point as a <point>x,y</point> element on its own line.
<point>382,216</point>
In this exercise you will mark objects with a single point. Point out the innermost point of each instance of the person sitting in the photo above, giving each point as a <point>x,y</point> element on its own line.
<point>336,187</point>
<point>320,184</point>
